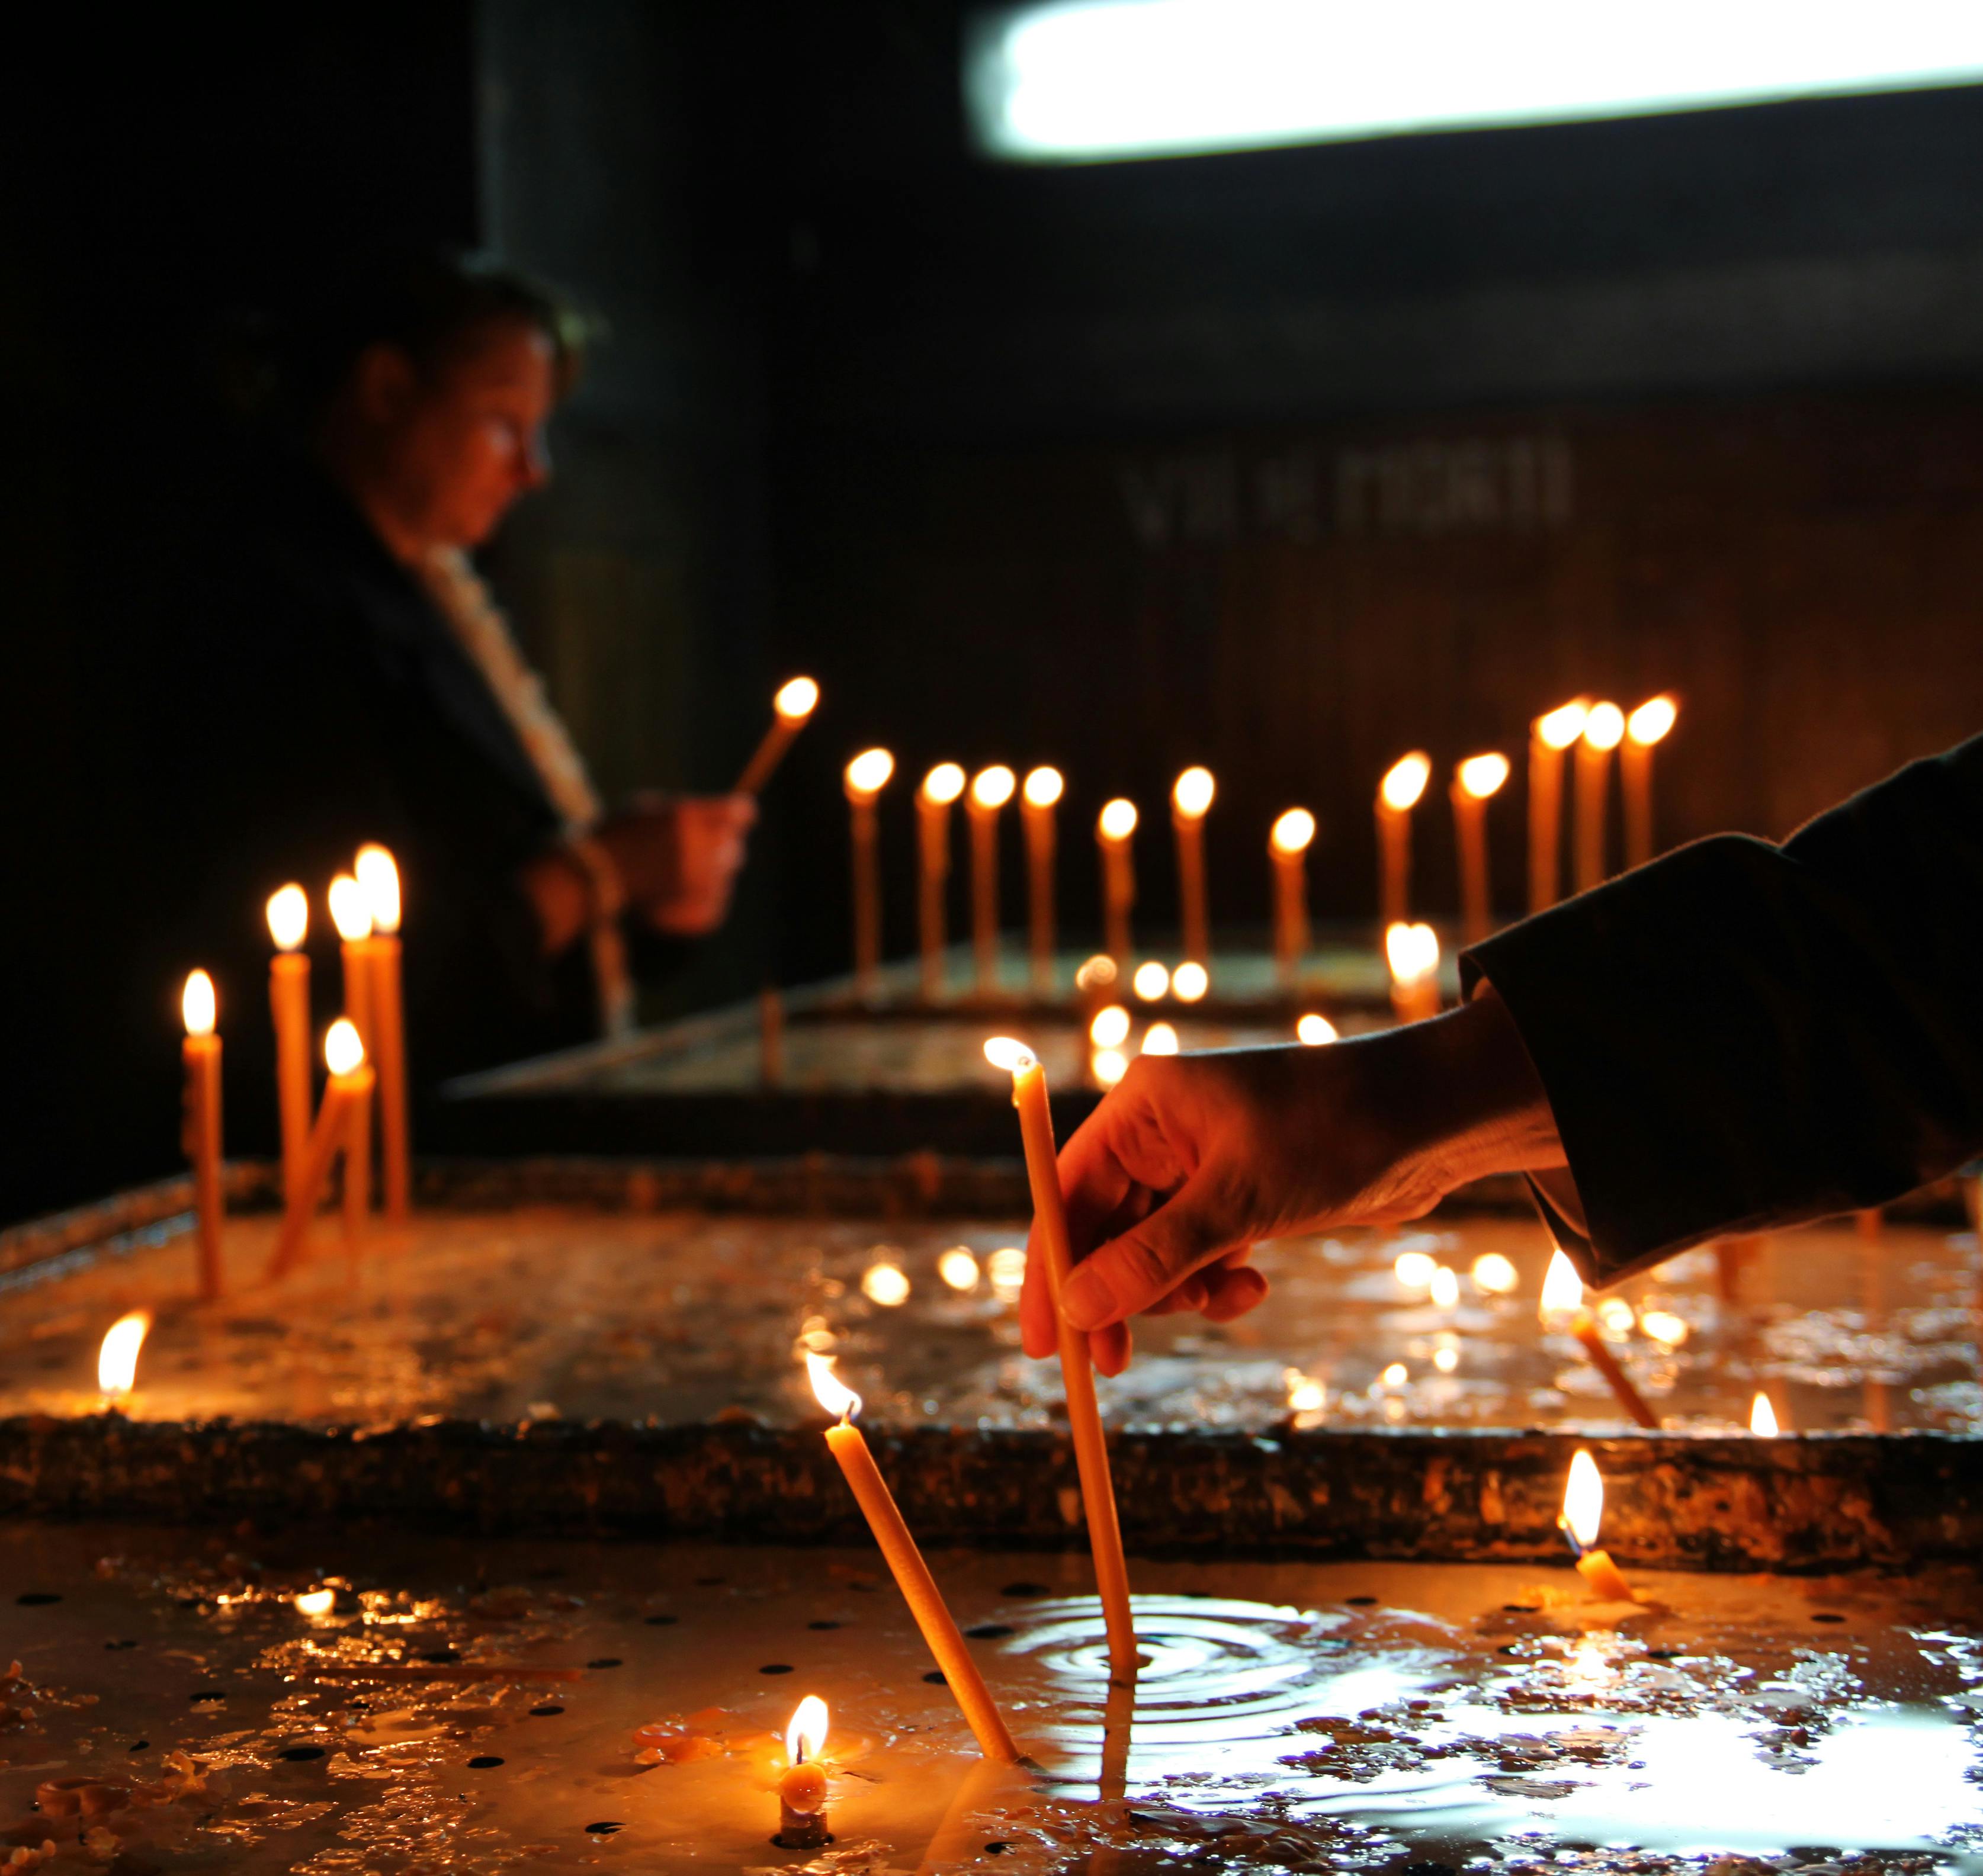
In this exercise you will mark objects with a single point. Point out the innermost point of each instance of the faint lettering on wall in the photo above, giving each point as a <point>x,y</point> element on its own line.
<point>1475,486</point>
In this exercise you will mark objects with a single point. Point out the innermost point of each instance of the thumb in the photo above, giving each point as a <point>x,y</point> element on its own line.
<point>1147,1262</point>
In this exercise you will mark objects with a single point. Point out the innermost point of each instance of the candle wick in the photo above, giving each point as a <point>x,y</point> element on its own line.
<point>1569,1537</point>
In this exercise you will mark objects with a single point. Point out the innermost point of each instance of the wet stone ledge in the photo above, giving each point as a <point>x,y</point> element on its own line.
<point>1817,1503</point>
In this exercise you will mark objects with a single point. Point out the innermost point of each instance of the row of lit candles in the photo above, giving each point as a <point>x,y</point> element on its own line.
<point>1596,729</point>
<point>364,1053</point>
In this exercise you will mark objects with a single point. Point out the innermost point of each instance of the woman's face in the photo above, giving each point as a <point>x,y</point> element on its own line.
<point>456,446</point>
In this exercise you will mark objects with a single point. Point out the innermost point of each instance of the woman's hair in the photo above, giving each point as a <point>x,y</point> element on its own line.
<point>430,305</point>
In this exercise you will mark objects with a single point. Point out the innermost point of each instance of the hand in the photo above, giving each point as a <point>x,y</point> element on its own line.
<point>1193,1159</point>
<point>678,857</point>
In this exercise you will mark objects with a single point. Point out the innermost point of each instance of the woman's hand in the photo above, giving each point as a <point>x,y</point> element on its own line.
<point>1193,1159</point>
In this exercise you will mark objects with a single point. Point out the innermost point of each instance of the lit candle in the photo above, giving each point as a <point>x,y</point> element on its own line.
<point>1150,981</point>
<point>911,1574</point>
<point>1313,1030</point>
<point>1561,1308</point>
<point>1476,779</point>
<point>200,1053</point>
<point>1191,799</point>
<point>289,1005</point>
<point>1037,799</point>
<point>991,788</point>
<point>1113,830</point>
<point>378,876</point>
<point>940,787</point>
<point>790,708</point>
<point>1549,736</point>
<point>1287,846</point>
<point>348,1090</point>
<point>1763,1417</point>
<point>1404,782</point>
<point>1412,953</point>
<point>1583,1511</point>
<point>351,912</point>
<point>1084,1415</point>
<point>117,1359</point>
<point>1603,731</point>
<point>1646,725</point>
<point>802,1789</point>
<point>866,775</point>
<point>1160,1039</point>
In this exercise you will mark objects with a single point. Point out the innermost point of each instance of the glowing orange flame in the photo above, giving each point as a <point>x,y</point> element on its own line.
<point>1604,728</point>
<point>380,876</point>
<point>1192,796</point>
<point>196,1004</point>
<point>992,787</point>
<point>1108,1066</point>
<point>1190,982</point>
<point>1763,1418</point>
<point>1160,1039</point>
<point>1405,781</point>
<point>829,1390</point>
<point>1494,1273</point>
<point>1150,981</point>
<point>1651,720</point>
<point>1315,1030</point>
<point>315,1602</point>
<point>796,699</point>
<point>1292,832</point>
<point>1044,787</point>
<point>1562,726</point>
<point>342,1050</point>
<point>350,912</point>
<point>806,1736</point>
<point>885,1283</point>
<point>1110,1030</point>
<point>1117,820</point>
<point>1413,951</point>
<point>288,917</point>
<point>868,774</point>
<point>1008,1052</point>
<point>943,784</point>
<point>117,1359</point>
<point>1583,1500</point>
<point>1563,1289</point>
<point>1482,776</point>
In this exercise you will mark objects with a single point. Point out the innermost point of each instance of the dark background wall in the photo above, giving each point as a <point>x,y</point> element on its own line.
<point>1284,462</point>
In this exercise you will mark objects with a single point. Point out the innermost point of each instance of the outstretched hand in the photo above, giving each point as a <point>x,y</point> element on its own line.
<point>1193,1159</point>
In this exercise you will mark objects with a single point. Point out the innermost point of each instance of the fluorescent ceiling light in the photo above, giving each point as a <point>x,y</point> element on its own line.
<point>1085,81</point>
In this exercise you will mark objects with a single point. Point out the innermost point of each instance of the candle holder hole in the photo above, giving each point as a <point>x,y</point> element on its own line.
<point>988,1631</point>
<point>604,1661</point>
<point>936,1677</point>
<point>611,1828</point>
<point>776,1667</point>
<point>663,1621</point>
<point>547,1712</point>
<point>207,1696</point>
<point>139,1745</point>
<point>1361,1602</point>
<point>484,1763</point>
<point>298,1755</point>
<point>822,1625</point>
<point>1826,1615</point>
<point>36,1599</point>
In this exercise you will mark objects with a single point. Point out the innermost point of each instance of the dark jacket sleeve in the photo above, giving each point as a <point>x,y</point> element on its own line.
<point>1742,1035</point>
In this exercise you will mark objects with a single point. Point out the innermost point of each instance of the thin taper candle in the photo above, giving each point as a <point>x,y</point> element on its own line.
<point>378,874</point>
<point>941,788</point>
<point>866,775</point>
<point>289,1008</point>
<point>991,788</point>
<point>1191,800</point>
<point>202,1055</point>
<point>1113,831</point>
<point>1549,736</point>
<point>1084,1414</point>
<point>1037,799</point>
<point>791,710</point>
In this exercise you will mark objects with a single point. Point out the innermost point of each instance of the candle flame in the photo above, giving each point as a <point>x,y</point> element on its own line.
<point>1412,950</point>
<point>315,1602</point>
<point>1563,1289</point>
<point>1192,796</point>
<point>1006,1267</point>
<point>992,787</point>
<point>1414,1268</point>
<point>1008,1052</point>
<point>1482,776</point>
<point>806,1736</point>
<point>1763,1418</point>
<point>1292,832</point>
<point>1494,1273</point>
<point>1096,972</point>
<point>1583,1500</point>
<point>1108,1066</point>
<point>1664,1327</point>
<point>1117,820</point>
<point>1044,787</point>
<point>1405,781</point>
<point>342,1050</point>
<point>1315,1030</point>
<point>829,1390</point>
<point>1305,1395</point>
<point>885,1283</point>
<point>1651,720</point>
<point>117,1359</point>
<point>379,875</point>
<point>796,699</point>
<point>1190,982</point>
<point>1150,981</point>
<point>958,1268</point>
<point>1160,1039</point>
<point>288,917</point>
<point>868,774</point>
<point>1605,727</point>
<point>1110,1030</point>
<point>196,1004</point>
<point>350,912</point>
<point>1562,726</point>
<point>943,784</point>
<point>1443,1291</point>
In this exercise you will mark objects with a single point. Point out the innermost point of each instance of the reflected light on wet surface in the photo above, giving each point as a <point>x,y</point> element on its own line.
<point>1494,1274</point>
<point>1006,1270</point>
<point>887,1284</point>
<point>1442,1289</point>
<point>1414,1268</point>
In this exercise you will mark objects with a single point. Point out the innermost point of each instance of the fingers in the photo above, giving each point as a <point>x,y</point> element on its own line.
<point>1232,1292</point>
<point>1148,1261</point>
